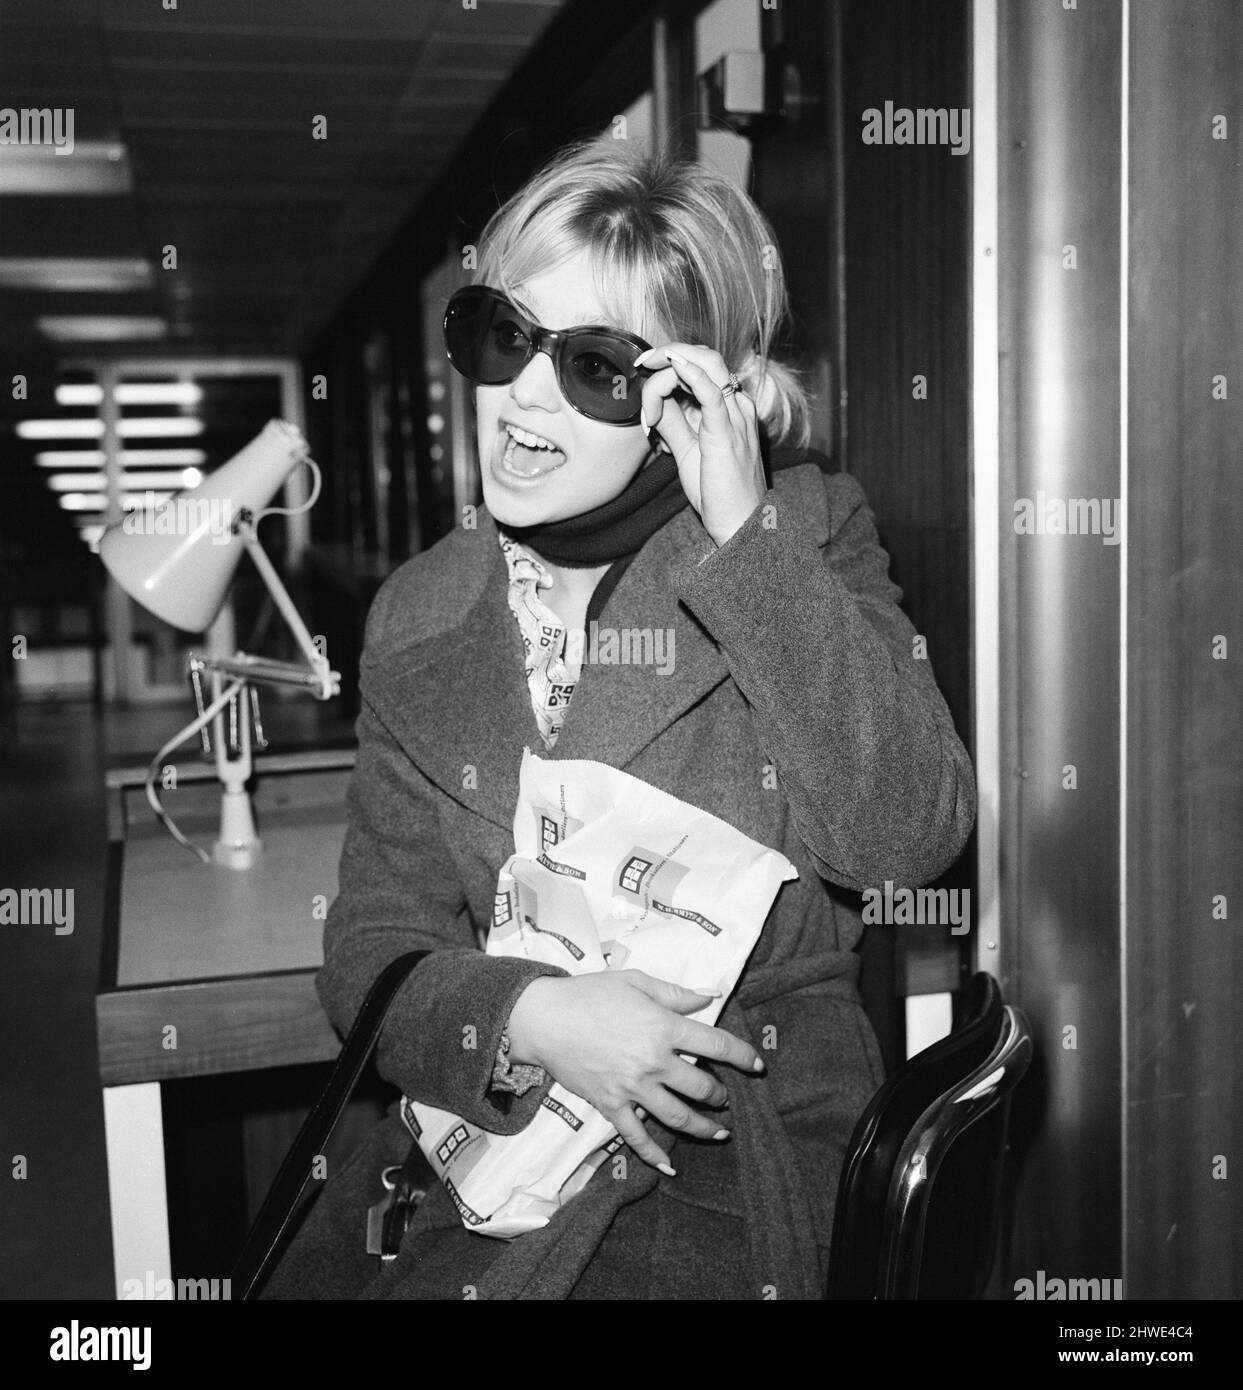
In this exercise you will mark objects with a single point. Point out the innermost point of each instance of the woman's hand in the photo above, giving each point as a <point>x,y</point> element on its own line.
<point>720,465</point>
<point>613,1038</point>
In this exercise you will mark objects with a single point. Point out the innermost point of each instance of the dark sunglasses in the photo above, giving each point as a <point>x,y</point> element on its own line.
<point>490,341</point>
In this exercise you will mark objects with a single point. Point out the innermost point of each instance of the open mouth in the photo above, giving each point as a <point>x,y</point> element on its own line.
<point>529,455</point>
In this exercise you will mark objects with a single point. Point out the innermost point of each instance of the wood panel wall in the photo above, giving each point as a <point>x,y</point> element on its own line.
<point>874,239</point>
<point>1184,814</point>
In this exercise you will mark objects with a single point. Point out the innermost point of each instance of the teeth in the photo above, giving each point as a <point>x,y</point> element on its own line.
<point>532,441</point>
<point>507,462</point>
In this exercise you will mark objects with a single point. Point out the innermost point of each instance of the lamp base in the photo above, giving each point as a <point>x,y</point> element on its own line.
<point>237,856</point>
<point>239,846</point>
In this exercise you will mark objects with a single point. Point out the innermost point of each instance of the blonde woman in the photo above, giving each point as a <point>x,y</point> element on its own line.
<point>644,465</point>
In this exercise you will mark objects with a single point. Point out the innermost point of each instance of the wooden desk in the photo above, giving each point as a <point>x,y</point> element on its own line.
<point>207,969</point>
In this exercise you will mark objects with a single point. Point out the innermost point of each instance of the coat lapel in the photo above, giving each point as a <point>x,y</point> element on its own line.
<point>620,707</point>
<point>458,702</point>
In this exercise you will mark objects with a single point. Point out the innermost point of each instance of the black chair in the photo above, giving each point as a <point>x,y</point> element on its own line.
<point>918,1204</point>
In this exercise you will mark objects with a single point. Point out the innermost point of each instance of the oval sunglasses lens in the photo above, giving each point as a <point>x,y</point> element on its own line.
<point>470,341</point>
<point>599,378</point>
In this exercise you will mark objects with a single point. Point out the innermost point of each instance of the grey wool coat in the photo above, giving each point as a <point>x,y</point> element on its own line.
<point>796,710</point>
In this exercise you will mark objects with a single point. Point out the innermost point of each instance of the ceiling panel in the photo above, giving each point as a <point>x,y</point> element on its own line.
<point>380,19</point>
<point>295,50</point>
<point>214,103</point>
<point>63,227</point>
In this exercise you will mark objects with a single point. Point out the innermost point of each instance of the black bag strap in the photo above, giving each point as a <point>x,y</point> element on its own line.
<point>270,1233</point>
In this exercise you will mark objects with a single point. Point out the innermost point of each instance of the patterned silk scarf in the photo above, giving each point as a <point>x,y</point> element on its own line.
<point>553,664</point>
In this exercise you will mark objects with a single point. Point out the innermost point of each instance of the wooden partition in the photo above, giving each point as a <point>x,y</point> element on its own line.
<point>1183,980</point>
<point>874,237</point>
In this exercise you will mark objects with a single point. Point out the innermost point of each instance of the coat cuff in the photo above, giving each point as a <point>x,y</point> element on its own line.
<point>440,1042</point>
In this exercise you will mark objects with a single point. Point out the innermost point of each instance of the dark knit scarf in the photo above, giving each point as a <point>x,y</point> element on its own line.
<point>613,534</point>
<point>615,531</point>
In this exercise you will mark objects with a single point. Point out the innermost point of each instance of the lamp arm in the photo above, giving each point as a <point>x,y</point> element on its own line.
<point>319,663</point>
<point>153,771</point>
<point>261,670</point>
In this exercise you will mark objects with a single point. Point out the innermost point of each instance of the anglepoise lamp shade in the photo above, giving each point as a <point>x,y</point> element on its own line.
<point>178,559</point>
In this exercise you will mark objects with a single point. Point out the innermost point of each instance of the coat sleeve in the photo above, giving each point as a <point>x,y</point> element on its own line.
<point>398,892</point>
<point>877,779</point>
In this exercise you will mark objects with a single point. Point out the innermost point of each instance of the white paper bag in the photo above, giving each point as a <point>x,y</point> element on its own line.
<point>608,873</point>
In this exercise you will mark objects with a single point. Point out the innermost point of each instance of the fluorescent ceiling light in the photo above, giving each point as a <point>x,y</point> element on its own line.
<point>156,478</point>
<point>75,482</point>
<point>130,458</point>
<point>73,273</point>
<point>99,328</point>
<point>159,427</point>
<point>132,393</point>
<point>60,429</point>
<point>95,167</point>
<point>140,427</point>
<point>97,502</point>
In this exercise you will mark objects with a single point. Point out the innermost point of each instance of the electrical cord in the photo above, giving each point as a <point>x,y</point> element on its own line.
<point>306,506</point>
<point>153,771</point>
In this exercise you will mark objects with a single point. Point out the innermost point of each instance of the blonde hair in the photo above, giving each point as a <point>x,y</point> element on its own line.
<point>677,249</point>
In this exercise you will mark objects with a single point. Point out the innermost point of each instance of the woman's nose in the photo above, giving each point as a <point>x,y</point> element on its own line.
<point>536,384</point>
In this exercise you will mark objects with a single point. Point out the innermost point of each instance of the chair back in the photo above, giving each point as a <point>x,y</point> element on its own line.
<point>860,1266</point>
<point>945,1195</point>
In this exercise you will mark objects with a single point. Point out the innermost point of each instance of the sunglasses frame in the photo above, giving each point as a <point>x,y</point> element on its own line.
<point>553,341</point>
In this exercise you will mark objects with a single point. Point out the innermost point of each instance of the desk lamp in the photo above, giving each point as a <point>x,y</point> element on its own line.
<point>178,560</point>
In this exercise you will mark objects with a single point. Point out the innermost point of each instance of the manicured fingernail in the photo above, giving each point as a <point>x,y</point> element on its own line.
<point>673,357</point>
<point>759,1064</point>
<point>645,353</point>
<point>666,1170</point>
<point>643,418</point>
<point>721,1134</point>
